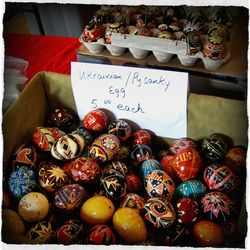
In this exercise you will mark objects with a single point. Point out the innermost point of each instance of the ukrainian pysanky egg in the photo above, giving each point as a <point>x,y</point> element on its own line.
<point>166,162</point>
<point>113,28</point>
<point>96,120</point>
<point>22,180</point>
<point>141,153</point>
<point>104,147</point>
<point>187,164</point>
<point>52,177</point>
<point>159,213</point>
<point>123,153</point>
<point>84,169</point>
<point>42,232</point>
<point>148,165</point>
<point>214,147</point>
<point>221,178</point>
<point>85,134</point>
<point>70,197</point>
<point>159,184</point>
<point>182,143</point>
<point>194,189</point>
<point>68,147</point>
<point>121,129</point>
<point>187,210</point>
<point>101,235</point>
<point>33,206</point>
<point>141,136</point>
<point>92,32</point>
<point>217,206</point>
<point>113,185</point>
<point>24,155</point>
<point>65,119</point>
<point>117,165</point>
<point>193,41</point>
<point>133,200</point>
<point>134,183</point>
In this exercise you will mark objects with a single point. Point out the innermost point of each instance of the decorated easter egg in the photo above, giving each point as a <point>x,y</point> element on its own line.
<point>194,189</point>
<point>193,41</point>
<point>42,232</point>
<point>220,177</point>
<point>134,183</point>
<point>96,120</point>
<point>159,213</point>
<point>123,153</point>
<point>33,206</point>
<point>104,147</point>
<point>101,235</point>
<point>208,234</point>
<point>187,210</point>
<point>182,143</point>
<point>70,197</point>
<point>217,206</point>
<point>148,165</point>
<point>113,28</point>
<point>141,153</point>
<point>68,147</point>
<point>85,169</point>
<point>52,177</point>
<point>65,119</point>
<point>113,185</point>
<point>85,134</point>
<point>133,200</point>
<point>214,147</point>
<point>117,165</point>
<point>92,32</point>
<point>141,136</point>
<point>187,164</point>
<point>97,209</point>
<point>166,163</point>
<point>24,155</point>
<point>129,225</point>
<point>218,30</point>
<point>121,129</point>
<point>22,180</point>
<point>159,184</point>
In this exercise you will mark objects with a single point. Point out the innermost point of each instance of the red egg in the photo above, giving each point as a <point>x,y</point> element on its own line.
<point>187,163</point>
<point>101,235</point>
<point>96,120</point>
<point>141,136</point>
<point>166,163</point>
<point>134,183</point>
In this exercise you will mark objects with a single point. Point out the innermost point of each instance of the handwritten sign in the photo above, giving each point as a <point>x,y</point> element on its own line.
<point>153,99</point>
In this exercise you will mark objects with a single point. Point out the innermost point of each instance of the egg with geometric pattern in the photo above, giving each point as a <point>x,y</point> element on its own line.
<point>121,129</point>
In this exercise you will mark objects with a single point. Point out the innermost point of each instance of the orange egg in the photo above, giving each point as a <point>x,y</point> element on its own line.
<point>129,225</point>
<point>97,209</point>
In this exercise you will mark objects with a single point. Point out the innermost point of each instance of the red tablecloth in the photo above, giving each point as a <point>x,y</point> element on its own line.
<point>44,53</point>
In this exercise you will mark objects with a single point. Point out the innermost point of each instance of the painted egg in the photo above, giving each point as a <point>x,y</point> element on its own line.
<point>70,233</point>
<point>33,206</point>
<point>142,31</point>
<point>129,225</point>
<point>104,147</point>
<point>52,177</point>
<point>123,153</point>
<point>22,180</point>
<point>218,30</point>
<point>208,234</point>
<point>113,185</point>
<point>42,232</point>
<point>148,165</point>
<point>134,183</point>
<point>194,189</point>
<point>159,213</point>
<point>97,209</point>
<point>141,136</point>
<point>133,200</point>
<point>182,143</point>
<point>92,32</point>
<point>193,41</point>
<point>141,153</point>
<point>117,165</point>
<point>187,210</point>
<point>166,163</point>
<point>68,147</point>
<point>159,184</point>
<point>101,235</point>
<point>187,164</point>
<point>84,169</point>
<point>25,155</point>
<point>70,197</point>
<point>221,178</point>
<point>121,129</point>
<point>113,28</point>
<point>217,206</point>
<point>85,134</point>
<point>236,159</point>
<point>65,119</point>
<point>96,120</point>
<point>214,147</point>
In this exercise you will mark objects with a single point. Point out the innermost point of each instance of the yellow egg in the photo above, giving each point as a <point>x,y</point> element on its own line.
<point>97,209</point>
<point>129,225</point>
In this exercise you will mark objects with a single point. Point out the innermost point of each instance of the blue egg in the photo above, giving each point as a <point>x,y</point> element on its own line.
<point>148,166</point>
<point>194,189</point>
<point>22,180</point>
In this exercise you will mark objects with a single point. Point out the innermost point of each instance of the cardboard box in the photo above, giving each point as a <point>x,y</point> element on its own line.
<point>206,115</point>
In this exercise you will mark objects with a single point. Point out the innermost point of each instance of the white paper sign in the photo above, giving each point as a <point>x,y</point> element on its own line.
<point>153,99</point>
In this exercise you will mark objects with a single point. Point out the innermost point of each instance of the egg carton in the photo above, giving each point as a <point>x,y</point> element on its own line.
<point>163,50</point>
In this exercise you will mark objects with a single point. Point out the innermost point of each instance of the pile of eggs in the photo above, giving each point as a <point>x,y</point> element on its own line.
<point>101,181</point>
